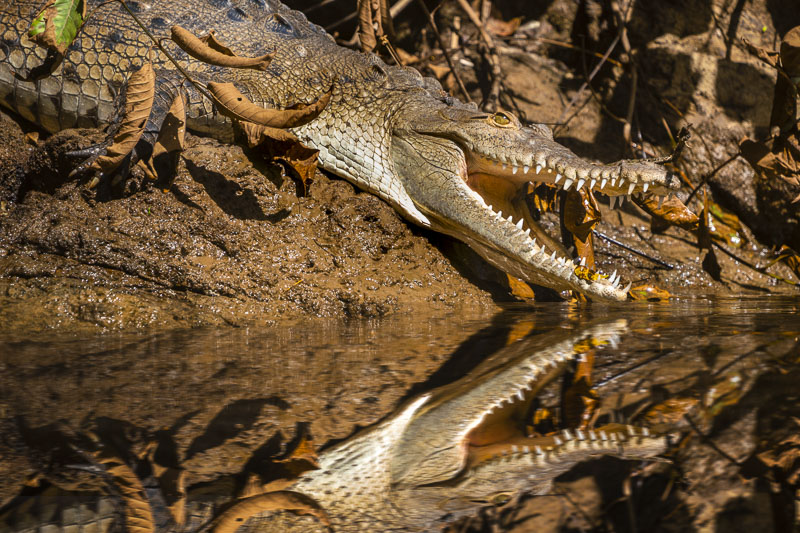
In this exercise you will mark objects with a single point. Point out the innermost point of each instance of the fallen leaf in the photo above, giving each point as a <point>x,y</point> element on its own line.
<point>163,162</point>
<point>211,51</point>
<point>139,96</point>
<point>138,514</point>
<point>235,105</point>
<point>672,211</point>
<point>520,289</point>
<point>503,28</point>
<point>235,516</point>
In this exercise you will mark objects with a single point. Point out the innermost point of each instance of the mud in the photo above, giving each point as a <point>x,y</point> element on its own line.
<point>233,241</point>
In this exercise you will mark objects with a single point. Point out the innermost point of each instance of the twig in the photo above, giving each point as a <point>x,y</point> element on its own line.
<point>710,175</point>
<point>708,441</point>
<point>447,57</point>
<point>492,57</point>
<point>750,265</point>
<point>632,250</point>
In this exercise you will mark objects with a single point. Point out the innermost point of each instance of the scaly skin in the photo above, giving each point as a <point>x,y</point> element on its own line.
<point>441,456</point>
<point>441,163</point>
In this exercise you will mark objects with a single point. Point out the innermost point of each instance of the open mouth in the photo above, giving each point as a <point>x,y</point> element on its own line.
<point>501,187</point>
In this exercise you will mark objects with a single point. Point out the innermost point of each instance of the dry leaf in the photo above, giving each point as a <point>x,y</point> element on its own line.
<point>139,96</point>
<point>138,515</point>
<point>672,211</point>
<point>519,288</point>
<point>580,215</point>
<point>302,459</point>
<point>650,293</point>
<point>171,139</point>
<point>235,516</point>
<point>502,28</point>
<point>282,146</point>
<point>211,51</point>
<point>235,105</point>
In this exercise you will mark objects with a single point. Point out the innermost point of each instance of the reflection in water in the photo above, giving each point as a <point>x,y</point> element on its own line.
<point>192,420</point>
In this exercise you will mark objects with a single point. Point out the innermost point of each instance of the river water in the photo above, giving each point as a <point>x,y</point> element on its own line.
<point>227,402</point>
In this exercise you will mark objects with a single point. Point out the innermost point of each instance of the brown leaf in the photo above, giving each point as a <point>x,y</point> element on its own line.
<point>283,147</point>
<point>650,293</point>
<point>366,27</point>
<point>503,28</point>
<point>519,288</point>
<point>211,51</point>
<point>672,211</point>
<point>235,516</point>
<point>138,515</point>
<point>302,459</point>
<point>170,143</point>
<point>139,96</point>
<point>235,105</point>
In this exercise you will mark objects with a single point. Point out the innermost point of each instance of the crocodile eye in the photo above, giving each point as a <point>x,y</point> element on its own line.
<point>501,119</point>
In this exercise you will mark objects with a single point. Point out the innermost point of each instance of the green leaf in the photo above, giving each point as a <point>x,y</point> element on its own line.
<point>58,23</point>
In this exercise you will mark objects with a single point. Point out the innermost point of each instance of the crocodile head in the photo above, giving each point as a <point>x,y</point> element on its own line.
<point>467,172</point>
<point>446,453</point>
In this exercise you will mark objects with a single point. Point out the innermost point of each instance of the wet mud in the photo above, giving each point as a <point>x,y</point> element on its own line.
<point>234,240</point>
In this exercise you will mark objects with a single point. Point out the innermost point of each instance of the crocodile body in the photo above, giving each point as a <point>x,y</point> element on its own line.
<point>442,455</point>
<point>440,163</point>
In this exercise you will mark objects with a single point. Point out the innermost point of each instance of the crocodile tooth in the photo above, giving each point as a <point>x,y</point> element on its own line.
<point>614,276</point>
<point>660,201</point>
<point>645,432</point>
<point>490,209</point>
<point>538,168</point>
<point>514,169</point>
<point>520,395</point>
<point>567,434</point>
<point>514,448</point>
<point>645,186</point>
<point>538,450</point>
<point>580,435</point>
<point>631,187</point>
<point>525,169</point>
<point>614,181</point>
<point>592,184</point>
<point>519,224</point>
<point>558,441</point>
<point>528,232</point>
<point>631,431</point>
<point>603,183</point>
<point>499,214</point>
<point>558,177</point>
<point>503,166</point>
<point>567,184</point>
<point>553,257</point>
<point>628,286</point>
<point>603,435</point>
<point>621,200</point>
<point>580,184</point>
<point>613,202</point>
<point>583,261</point>
<point>526,449</point>
<point>614,342</point>
<point>510,219</point>
<point>592,434</point>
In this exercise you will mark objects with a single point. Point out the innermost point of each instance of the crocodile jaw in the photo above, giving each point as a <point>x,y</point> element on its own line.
<point>465,175</point>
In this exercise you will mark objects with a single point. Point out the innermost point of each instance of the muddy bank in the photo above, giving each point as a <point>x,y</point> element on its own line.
<point>233,242</point>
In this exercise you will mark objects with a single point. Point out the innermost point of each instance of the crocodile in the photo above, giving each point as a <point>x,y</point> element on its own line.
<point>440,456</point>
<point>442,164</point>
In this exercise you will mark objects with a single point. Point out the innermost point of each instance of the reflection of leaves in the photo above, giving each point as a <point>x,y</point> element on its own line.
<point>138,515</point>
<point>235,105</point>
<point>785,455</point>
<point>58,23</point>
<point>649,292</point>
<point>235,516</point>
<point>209,50</point>
<point>139,96</point>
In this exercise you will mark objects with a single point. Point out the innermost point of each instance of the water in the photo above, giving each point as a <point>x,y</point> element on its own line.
<point>227,402</point>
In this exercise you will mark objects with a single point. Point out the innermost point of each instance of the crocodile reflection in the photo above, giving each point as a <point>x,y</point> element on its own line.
<point>442,455</point>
